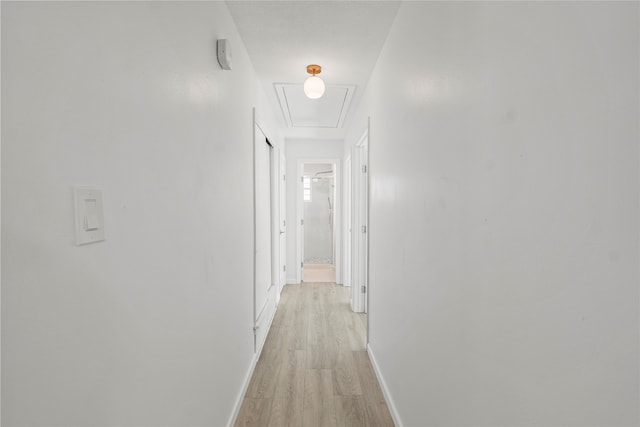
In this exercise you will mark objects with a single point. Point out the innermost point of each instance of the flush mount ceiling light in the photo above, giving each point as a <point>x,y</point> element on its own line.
<point>314,86</point>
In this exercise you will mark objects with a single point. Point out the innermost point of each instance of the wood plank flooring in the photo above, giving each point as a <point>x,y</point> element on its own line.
<point>314,369</point>
<point>315,273</point>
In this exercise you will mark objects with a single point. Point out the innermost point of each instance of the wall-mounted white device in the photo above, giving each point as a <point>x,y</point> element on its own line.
<point>224,54</point>
<point>89,216</point>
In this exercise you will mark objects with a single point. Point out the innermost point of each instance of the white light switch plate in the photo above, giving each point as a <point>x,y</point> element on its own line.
<point>89,216</point>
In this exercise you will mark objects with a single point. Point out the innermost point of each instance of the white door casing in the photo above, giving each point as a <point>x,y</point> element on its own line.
<point>264,301</point>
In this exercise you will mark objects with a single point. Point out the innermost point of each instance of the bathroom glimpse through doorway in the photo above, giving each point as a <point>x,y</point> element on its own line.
<point>318,245</point>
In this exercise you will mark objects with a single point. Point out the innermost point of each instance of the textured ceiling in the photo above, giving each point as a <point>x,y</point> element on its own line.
<point>283,37</point>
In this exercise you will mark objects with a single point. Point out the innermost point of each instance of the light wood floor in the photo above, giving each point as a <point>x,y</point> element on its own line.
<point>314,369</point>
<point>316,273</point>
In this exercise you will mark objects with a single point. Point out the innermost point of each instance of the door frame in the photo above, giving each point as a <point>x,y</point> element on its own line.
<point>360,224</point>
<point>337,226</point>
<point>263,312</point>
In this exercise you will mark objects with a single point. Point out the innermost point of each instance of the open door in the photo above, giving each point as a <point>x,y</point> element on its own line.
<point>360,225</point>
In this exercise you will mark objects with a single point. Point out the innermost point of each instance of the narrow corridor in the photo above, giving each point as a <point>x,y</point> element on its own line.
<point>314,369</point>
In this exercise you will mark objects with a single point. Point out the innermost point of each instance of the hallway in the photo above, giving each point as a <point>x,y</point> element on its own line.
<point>494,150</point>
<point>314,369</point>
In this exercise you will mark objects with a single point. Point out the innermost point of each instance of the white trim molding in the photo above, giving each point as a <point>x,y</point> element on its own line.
<point>385,390</point>
<point>247,378</point>
<point>243,391</point>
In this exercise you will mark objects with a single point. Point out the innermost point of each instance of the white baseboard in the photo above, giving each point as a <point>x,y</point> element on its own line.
<point>245,386</point>
<point>247,378</point>
<point>385,391</point>
<point>291,282</point>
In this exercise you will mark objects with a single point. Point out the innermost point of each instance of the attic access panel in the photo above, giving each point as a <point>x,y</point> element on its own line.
<point>326,112</point>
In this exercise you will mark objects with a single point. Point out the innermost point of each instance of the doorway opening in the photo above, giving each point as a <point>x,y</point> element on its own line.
<point>319,250</point>
<point>318,196</point>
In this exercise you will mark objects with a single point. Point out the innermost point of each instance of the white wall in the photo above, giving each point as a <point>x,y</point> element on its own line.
<point>504,213</point>
<point>297,149</point>
<point>152,326</point>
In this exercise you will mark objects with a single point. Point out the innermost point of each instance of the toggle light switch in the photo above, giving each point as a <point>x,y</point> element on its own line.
<point>91,220</point>
<point>89,216</point>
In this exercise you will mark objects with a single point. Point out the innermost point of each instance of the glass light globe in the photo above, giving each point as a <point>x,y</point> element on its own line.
<point>314,87</point>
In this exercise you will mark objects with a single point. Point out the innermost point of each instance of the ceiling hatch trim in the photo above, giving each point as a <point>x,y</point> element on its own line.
<point>329,111</point>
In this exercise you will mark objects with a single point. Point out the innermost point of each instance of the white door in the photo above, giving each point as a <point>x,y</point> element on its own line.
<point>282,228</point>
<point>304,185</point>
<point>348,222</point>
<point>360,226</point>
<point>364,228</point>
<point>264,301</point>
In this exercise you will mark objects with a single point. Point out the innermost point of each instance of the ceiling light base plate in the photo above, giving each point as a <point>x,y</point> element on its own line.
<point>314,69</point>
